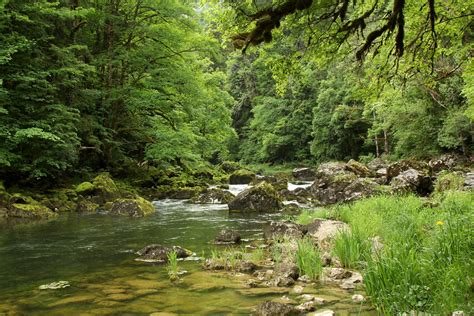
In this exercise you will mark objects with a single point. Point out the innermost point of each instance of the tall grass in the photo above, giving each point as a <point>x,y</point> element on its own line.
<point>172,266</point>
<point>351,248</point>
<point>308,259</point>
<point>427,260</point>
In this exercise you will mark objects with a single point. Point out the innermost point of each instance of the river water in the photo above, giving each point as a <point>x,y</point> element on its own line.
<point>95,254</point>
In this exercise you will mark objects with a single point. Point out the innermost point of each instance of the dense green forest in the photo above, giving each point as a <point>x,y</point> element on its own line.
<point>115,84</point>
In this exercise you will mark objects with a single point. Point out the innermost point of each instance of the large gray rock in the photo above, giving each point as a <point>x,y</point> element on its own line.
<point>376,164</point>
<point>412,181</point>
<point>260,198</point>
<point>448,162</point>
<point>159,253</point>
<point>469,181</point>
<point>304,174</point>
<point>359,169</point>
<point>269,308</point>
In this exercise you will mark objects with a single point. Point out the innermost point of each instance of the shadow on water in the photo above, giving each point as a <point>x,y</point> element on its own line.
<point>95,254</point>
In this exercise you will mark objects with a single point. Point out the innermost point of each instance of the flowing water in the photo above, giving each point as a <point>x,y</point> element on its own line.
<point>95,254</point>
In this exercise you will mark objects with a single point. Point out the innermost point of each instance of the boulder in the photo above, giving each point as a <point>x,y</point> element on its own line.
<point>26,207</point>
<point>230,166</point>
<point>342,187</point>
<point>448,162</point>
<point>86,206</point>
<point>412,181</point>
<point>105,189</point>
<point>359,169</point>
<point>377,164</point>
<point>279,183</point>
<point>260,198</point>
<point>323,231</point>
<point>85,188</point>
<point>304,174</point>
<point>269,308</point>
<point>136,207</point>
<point>227,236</point>
<point>237,265</point>
<point>159,253</point>
<point>242,176</point>
<point>447,181</point>
<point>213,196</point>
<point>278,229</point>
<point>398,167</point>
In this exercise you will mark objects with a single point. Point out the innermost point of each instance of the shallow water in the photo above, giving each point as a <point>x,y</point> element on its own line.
<point>95,253</point>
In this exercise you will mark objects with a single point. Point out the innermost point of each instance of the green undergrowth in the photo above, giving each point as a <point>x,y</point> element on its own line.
<point>426,263</point>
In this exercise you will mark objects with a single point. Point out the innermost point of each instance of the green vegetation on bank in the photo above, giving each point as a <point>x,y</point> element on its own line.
<point>413,257</point>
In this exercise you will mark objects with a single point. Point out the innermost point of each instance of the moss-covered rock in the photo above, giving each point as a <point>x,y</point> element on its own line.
<point>4,198</point>
<point>403,165</point>
<point>359,169</point>
<point>22,206</point>
<point>279,183</point>
<point>61,200</point>
<point>85,188</point>
<point>105,188</point>
<point>87,206</point>
<point>136,207</point>
<point>260,198</point>
<point>213,196</point>
<point>242,176</point>
<point>230,166</point>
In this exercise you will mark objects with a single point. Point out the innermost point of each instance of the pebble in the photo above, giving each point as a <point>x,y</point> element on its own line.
<point>358,298</point>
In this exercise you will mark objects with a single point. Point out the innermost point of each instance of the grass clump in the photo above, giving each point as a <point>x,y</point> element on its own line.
<point>308,259</point>
<point>427,261</point>
<point>351,248</point>
<point>172,267</point>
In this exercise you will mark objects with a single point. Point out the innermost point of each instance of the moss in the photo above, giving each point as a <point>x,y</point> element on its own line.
<point>62,200</point>
<point>23,206</point>
<point>85,188</point>
<point>86,206</point>
<point>242,176</point>
<point>104,182</point>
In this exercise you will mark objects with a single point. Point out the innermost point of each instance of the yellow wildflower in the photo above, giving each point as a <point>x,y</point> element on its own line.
<point>439,223</point>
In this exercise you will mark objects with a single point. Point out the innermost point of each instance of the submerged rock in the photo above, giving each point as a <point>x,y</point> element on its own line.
<point>159,253</point>
<point>227,236</point>
<point>304,174</point>
<point>260,198</point>
<point>242,176</point>
<point>269,308</point>
<point>213,196</point>
<point>136,207</point>
<point>236,265</point>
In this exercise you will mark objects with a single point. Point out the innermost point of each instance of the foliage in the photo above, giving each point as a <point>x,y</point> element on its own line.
<point>108,85</point>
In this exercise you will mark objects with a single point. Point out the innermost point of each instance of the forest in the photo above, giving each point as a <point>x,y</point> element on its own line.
<point>114,107</point>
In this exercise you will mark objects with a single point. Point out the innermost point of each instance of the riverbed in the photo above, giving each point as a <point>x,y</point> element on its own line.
<point>95,254</point>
